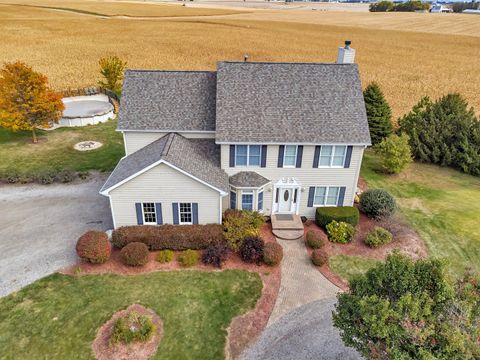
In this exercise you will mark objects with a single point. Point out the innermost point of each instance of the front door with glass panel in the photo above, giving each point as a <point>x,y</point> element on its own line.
<point>285,200</point>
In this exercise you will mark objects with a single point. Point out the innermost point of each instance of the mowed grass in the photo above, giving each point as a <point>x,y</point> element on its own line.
<point>407,64</point>
<point>58,317</point>
<point>442,204</point>
<point>348,266</point>
<point>55,150</point>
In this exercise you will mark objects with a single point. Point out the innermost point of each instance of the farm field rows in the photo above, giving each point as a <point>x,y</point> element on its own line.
<point>66,46</point>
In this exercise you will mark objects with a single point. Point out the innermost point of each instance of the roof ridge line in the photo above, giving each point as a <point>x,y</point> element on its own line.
<point>167,146</point>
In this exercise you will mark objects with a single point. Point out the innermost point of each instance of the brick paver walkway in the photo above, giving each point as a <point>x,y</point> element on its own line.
<point>301,282</point>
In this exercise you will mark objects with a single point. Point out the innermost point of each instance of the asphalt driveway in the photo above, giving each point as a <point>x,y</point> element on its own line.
<point>39,226</point>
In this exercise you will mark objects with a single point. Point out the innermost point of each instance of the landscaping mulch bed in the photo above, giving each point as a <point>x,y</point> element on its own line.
<point>404,238</point>
<point>134,351</point>
<point>244,329</point>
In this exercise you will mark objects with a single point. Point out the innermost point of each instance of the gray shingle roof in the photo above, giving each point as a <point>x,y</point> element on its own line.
<point>248,179</point>
<point>200,158</point>
<point>290,103</point>
<point>168,100</point>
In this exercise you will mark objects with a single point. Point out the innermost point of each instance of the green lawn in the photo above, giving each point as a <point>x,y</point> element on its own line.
<point>442,204</point>
<point>55,150</point>
<point>57,317</point>
<point>346,266</point>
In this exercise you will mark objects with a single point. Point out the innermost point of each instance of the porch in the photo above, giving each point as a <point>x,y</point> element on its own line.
<point>287,226</point>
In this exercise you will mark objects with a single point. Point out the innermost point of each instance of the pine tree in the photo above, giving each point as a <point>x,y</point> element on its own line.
<point>379,113</point>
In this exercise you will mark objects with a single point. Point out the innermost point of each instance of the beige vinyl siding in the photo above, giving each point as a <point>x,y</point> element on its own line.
<point>165,185</point>
<point>306,175</point>
<point>135,140</point>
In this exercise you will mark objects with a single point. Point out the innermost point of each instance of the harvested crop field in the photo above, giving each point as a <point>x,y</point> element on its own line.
<point>423,60</point>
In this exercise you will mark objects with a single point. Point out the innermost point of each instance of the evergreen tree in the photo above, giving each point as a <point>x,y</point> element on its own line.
<point>379,113</point>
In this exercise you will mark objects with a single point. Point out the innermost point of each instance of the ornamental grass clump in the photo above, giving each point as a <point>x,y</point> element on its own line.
<point>164,256</point>
<point>340,232</point>
<point>133,327</point>
<point>188,258</point>
<point>377,237</point>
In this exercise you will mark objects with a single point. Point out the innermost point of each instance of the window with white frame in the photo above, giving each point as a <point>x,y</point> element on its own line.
<point>233,200</point>
<point>248,155</point>
<point>290,156</point>
<point>185,213</point>
<point>326,196</point>
<point>260,201</point>
<point>247,200</point>
<point>332,156</point>
<point>149,213</point>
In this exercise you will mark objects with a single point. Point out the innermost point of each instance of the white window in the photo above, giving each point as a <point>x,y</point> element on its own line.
<point>326,196</point>
<point>149,213</point>
<point>260,201</point>
<point>233,200</point>
<point>248,155</point>
<point>290,156</point>
<point>332,156</point>
<point>185,213</point>
<point>247,200</point>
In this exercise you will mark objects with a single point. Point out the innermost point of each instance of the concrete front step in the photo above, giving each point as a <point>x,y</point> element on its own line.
<point>288,234</point>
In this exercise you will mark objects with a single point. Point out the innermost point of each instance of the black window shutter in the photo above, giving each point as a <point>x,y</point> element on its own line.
<point>175,213</point>
<point>348,157</point>
<point>298,164</point>
<point>158,212</point>
<point>264,156</point>
<point>316,156</point>
<point>281,150</point>
<point>138,209</point>
<point>341,196</point>
<point>311,195</point>
<point>232,155</point>
<point>195,213</point>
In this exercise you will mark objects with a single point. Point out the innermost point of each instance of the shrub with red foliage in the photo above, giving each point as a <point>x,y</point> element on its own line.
<point>172,237</point>
<point>94,247</point>
<point>319,257</point>
<point>134,254</point>
<point>251,250</point>
<point>272,254</point>
<point>216,254</point>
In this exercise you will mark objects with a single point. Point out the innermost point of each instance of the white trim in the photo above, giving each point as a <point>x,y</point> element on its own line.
<point>247,192</point>
<point>327,189</point>
<point>332,156</point>
<point>111,210</point>
<point>145,169</point>
<point>154,211</point>
<point>191,214</point>
<point>295,162</point>
<point>220,209</point>
<point>263,200</point>
<point>287,143</point>
<point>168,131</point>
<point>124,143</point>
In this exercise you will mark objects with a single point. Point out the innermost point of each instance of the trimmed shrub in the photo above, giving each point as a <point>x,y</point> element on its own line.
<point>188,258</point>
<point>173,237</point>
<point>340,232</point>
<point>313,240</point>
<point>272,254</point>
<point>319,257</point>
<point>164,256</point>
<point>133,327</point>
<point>94,247</point>
<point>134,254</point>
<point>377,203</point>
<point>378,236</point>
<point>216,254</point>
<point>239,227</point>
<point>325,215</point>
<point>252,249</point>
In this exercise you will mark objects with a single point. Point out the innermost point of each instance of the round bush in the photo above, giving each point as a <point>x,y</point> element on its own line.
<point>377,203</point>
<point>94,247</point>
<point>272,254</point>
<point>188,258</point>
<point>319,258</point>
<point>216,254</point>
<point>314,240</point>
<point>133,327</point>
<point>377,237</point>
<point>251,250</point>
<point>164,256</point>
<point>340,232</point>
<point>134,254</point>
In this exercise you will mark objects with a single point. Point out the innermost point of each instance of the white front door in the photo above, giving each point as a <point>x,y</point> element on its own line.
<point>285,200</point>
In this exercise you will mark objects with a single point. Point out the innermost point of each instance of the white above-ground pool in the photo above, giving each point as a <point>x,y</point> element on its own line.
<point>86,110</point>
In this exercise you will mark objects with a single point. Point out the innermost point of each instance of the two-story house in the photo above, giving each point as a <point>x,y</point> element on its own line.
<point>272,137</point>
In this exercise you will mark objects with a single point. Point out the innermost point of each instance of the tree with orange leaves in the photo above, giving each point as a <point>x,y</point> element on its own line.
<point>26,101</point>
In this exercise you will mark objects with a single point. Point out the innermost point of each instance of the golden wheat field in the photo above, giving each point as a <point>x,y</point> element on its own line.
<point>409,55</point>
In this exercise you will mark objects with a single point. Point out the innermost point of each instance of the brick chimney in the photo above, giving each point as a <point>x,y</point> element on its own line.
<point>346,55</point>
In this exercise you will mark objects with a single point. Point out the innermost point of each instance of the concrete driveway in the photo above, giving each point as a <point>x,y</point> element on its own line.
<point>39,226</point>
